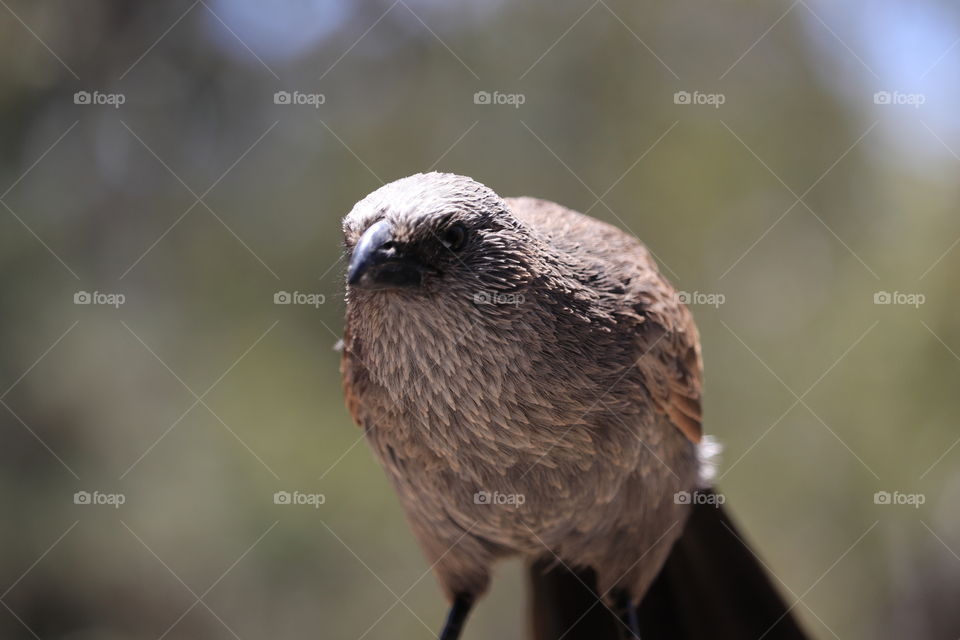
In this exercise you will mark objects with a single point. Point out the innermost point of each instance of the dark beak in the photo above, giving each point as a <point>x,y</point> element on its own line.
<point>378,262</point>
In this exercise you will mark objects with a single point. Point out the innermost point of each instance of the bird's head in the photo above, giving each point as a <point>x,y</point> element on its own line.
<point>432,234</point>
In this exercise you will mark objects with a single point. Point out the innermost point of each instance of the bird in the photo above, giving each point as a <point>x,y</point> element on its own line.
<point>531,385</point>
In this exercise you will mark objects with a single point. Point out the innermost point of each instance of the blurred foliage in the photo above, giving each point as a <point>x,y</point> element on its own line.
<point>199,198</point>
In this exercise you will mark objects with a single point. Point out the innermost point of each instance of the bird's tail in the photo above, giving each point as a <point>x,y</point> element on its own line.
<point>711,586</point>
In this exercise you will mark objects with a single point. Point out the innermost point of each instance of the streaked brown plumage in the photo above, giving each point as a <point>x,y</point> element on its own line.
<point>516,347</point>
<point>577,398</point>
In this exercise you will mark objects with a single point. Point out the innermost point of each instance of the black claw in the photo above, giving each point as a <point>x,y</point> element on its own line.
<point>461,606</point>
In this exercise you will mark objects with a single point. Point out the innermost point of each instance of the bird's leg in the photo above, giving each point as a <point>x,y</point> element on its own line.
<point>628,610</point>
<point>461,606</point>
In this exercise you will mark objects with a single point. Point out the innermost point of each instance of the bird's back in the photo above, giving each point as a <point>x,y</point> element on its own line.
<point>575,232</point>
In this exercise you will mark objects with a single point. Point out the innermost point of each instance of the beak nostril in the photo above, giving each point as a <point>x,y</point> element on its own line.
<point>389,250</point>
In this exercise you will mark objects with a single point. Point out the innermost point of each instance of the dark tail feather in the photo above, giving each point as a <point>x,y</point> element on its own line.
<point>712,586</point>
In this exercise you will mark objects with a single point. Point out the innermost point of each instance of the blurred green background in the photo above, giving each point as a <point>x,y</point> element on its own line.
<point>184,182</point>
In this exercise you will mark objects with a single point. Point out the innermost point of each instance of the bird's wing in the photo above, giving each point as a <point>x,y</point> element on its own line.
<point>669,345</point>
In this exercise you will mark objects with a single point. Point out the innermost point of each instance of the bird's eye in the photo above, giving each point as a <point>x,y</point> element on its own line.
<point>454,237</point>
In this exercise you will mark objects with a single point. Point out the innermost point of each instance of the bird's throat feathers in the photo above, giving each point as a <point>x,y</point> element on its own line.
<point>443,349</point>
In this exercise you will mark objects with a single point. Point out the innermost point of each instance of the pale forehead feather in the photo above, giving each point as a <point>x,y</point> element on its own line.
<point>422,195</point>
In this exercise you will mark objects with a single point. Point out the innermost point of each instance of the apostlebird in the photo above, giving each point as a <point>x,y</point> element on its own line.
<point>531,384</point>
